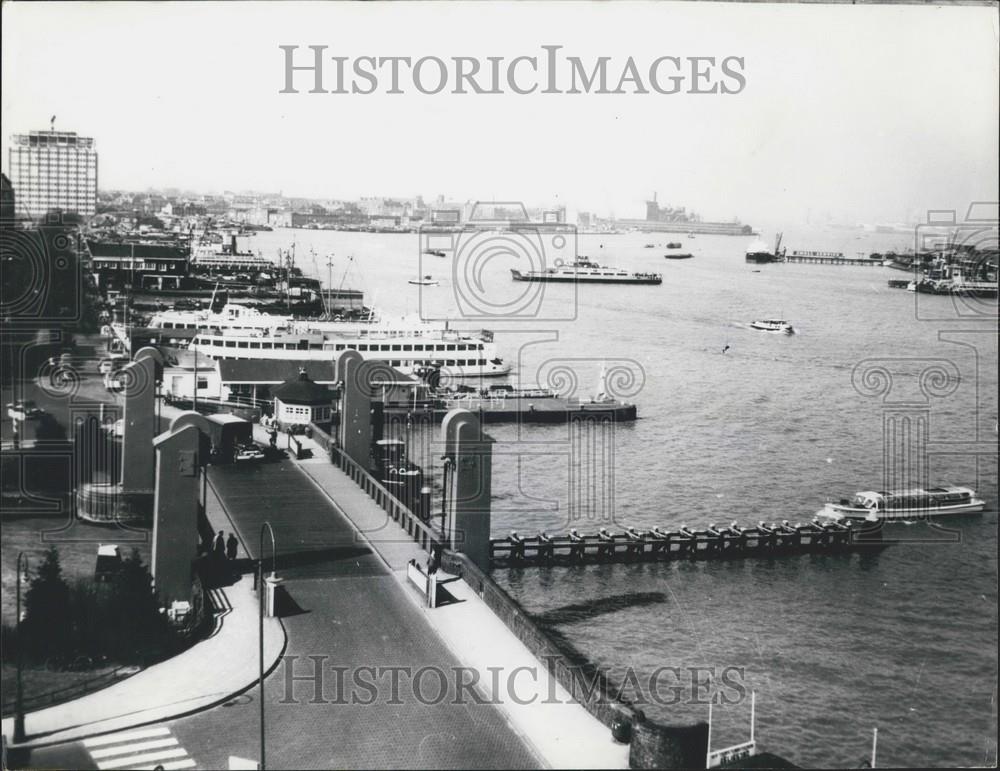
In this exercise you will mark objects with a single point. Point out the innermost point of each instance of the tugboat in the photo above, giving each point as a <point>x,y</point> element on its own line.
<point>586,271</point>
<point>758,251</point>
<point>773,325</point>
<point>674,245</point>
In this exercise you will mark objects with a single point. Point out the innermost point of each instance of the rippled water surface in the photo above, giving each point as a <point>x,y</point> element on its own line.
<point>905,640</point>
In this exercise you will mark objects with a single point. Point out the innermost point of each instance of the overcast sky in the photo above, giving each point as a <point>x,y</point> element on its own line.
<point>862,114</point>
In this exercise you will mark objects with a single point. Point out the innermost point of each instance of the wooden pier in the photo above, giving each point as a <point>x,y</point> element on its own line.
<point>657,545</point>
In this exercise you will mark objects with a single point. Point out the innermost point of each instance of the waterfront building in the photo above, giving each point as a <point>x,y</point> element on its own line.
<point>139,264</point>
<point>54,170</point>
<point>299,400</point>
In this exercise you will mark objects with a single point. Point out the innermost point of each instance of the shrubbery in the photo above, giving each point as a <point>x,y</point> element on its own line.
<point>118,620</point>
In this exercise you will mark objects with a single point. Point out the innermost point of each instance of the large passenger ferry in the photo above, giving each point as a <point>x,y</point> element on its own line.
<point>586,271</point>
<point>408,343</point>
<point>459,354</point>
<point>905,504</point>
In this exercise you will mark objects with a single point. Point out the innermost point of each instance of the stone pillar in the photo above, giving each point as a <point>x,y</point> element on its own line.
<point>469,485</point>
<point>660,746</point>
<point>130,498</point>
<point>180,460</point>
<point>139,421</point>
<point>354,434</point>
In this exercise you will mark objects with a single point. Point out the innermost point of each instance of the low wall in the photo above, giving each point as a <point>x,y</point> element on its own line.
<point>651,745</point>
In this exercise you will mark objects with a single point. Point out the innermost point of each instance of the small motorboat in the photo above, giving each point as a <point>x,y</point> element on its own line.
<point>425,281</point>
<point>678,256</point>
<point>773,325</point>
<point>435,252</point>
<point>690,235</point>
<point>674,245</point>
<point>649,246</point>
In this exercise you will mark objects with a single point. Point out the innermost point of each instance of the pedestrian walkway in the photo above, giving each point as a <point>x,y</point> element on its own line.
<point>210,672</point>
<point>140,749</point>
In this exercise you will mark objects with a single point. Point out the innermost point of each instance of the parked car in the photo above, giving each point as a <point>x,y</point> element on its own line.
<point>111,363</point>
<point>24,410</point>
<point>248,452</point>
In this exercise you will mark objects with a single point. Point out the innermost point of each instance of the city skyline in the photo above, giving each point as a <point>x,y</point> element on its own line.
<point>848,115</point>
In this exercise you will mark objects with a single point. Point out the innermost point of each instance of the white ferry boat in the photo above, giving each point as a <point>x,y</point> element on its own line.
<point>457,354</point>
<point>587,272</point>
<point>232,318</point>
<point>773,325</point>
<point>408,343</point>
<point>905,504</point>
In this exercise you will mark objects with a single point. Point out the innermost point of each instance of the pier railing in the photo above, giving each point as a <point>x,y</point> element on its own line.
<point>423,533</point>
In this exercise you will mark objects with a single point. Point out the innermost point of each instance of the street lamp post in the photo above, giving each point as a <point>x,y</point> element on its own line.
<point>19,706</point>
<point>447,465</point>
<point>262,596</point>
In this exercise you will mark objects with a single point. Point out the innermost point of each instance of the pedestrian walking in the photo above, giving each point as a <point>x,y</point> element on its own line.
<point>219,547</point>
<point>232,547</point>
<point>273,436</point>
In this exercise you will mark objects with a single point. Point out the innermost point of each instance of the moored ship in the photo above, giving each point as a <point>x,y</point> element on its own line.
<point>584,271</point>
<point>905,504</point>
<point>456,354</point>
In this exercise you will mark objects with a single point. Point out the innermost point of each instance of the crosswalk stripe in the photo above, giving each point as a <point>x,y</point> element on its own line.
<point>148,757</point>
<point>147,733</point>
<point>132,747</point>
<point>174,764</point>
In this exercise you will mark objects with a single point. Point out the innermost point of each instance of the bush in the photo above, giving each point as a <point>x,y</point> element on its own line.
<point>119,621</point>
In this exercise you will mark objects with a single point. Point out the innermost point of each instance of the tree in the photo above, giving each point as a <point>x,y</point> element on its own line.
<point>47,609</point>
<point>135,610</point>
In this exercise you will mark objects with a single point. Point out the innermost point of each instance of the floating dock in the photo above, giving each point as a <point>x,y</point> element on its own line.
<point>830,258</point>
<point>551,409</point>
<point>709,543</point>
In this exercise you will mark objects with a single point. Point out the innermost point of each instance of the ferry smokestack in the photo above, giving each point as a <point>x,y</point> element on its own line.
<point>232,244</point>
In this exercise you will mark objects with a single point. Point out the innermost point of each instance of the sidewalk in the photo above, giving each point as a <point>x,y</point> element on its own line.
<point>209,673</point>
<point>559,729</point>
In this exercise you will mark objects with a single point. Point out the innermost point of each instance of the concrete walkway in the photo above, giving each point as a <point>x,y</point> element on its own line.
<point>209,673</point>
<point>561,731</point>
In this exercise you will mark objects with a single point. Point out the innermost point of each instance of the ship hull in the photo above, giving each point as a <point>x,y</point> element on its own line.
<point>834,511</point>
<point>556,279</point>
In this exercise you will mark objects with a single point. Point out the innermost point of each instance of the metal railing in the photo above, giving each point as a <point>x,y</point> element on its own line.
<point>70,692</point>
<point>424,534</point>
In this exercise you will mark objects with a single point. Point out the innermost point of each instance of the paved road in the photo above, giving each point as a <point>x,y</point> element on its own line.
<point>348,608</point>
<point>344,607</point>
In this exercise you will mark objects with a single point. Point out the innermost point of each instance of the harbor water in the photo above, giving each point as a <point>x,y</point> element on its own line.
<point>740,424</point>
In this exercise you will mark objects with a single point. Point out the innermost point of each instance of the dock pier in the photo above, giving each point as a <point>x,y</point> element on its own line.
<point>657,545</point>
<point>829,258</point>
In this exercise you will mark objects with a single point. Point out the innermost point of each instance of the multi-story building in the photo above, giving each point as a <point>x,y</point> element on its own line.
<point>54,170</point>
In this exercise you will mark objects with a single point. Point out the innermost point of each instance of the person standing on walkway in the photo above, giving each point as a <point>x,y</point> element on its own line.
<point>232,547</point>
<point>219,547</point>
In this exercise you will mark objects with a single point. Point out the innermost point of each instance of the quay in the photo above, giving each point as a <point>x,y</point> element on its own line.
<point>763,541</point>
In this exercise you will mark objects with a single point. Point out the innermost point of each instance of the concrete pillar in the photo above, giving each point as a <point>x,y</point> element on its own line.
<point>139,422</point>
<point>469,485</point>
<point>180,459</point>
<point>354,434</point>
